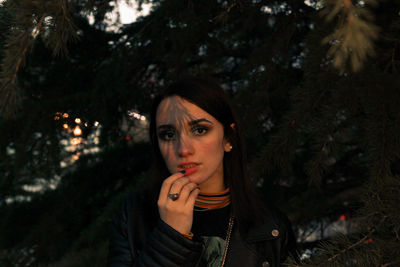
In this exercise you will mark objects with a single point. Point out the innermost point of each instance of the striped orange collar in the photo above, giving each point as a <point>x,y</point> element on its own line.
<point>211,201</point>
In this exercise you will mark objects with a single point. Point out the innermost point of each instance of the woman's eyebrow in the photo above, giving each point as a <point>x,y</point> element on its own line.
<point>165,126</point>
<point>191,123</point>
<point>194,122</point>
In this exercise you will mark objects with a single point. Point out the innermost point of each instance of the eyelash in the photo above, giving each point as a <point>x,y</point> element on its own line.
<point>163,135</point>
<point>200,127</point>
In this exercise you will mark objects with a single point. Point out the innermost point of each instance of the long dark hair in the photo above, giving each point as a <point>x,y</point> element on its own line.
<point>209,96</point>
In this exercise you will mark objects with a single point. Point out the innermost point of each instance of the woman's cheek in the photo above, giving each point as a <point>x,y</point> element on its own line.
<point>210,144</point>
<point>212,150</point>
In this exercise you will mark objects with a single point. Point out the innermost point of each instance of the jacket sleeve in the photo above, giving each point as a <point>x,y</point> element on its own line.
<point>164,246</point>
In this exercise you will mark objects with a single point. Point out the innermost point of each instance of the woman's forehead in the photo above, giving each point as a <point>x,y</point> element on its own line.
<point>175,110</point>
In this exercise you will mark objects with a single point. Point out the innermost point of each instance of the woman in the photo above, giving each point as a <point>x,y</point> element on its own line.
<point>202,209</point>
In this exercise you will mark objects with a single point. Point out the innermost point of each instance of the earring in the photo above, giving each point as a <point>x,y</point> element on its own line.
<point>229,149</point>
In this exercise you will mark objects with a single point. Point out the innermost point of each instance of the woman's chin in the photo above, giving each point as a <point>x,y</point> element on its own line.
<point>194,178</point>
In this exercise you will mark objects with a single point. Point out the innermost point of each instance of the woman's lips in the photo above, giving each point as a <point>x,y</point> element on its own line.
<point>190,170</point>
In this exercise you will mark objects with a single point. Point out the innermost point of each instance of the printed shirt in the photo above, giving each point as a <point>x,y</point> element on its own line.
<point>211,228</point>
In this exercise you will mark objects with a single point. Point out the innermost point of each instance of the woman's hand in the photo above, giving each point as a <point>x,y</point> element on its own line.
<point>178,213</point>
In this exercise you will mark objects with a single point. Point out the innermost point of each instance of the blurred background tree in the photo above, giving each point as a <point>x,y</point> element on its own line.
<point>315,82</point>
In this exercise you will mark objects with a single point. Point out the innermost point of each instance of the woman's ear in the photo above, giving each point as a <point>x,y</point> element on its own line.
<point>233,126</point>
<point>228,147</point>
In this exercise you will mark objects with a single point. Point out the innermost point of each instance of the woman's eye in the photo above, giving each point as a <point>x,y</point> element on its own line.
<point>199,130</point>
<point>167,135</point>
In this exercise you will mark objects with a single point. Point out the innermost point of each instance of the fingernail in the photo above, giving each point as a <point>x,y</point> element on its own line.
<point>182,171</point>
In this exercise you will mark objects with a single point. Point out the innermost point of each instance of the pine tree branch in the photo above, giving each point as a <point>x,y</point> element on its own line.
<point>30,20</point>
<point>13,60</point>
<point>391,263</point>
<point>361,241</point>
<point>25,49</point>
<point>11,67</point>
<point>65,11</point>
<point>223,16</point>
<point>345,195</point>
<point>64,29</point>
<point>354,35</point>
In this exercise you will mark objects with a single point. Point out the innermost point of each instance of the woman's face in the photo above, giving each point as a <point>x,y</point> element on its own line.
<point>189,138</point>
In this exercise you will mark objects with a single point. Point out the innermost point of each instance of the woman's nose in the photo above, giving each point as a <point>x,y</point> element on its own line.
<point>185,146</point>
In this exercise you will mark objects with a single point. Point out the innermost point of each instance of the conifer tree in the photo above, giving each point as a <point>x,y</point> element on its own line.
<point>316,85</point>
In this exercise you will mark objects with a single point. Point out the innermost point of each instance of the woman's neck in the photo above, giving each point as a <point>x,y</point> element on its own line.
<point>207,188</point>
<point>215,183</point>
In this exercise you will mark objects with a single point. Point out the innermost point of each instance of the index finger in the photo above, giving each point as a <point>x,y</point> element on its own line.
<point>166,185</point>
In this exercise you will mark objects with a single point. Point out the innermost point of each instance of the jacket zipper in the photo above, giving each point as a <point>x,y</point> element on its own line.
<point>228,239</point>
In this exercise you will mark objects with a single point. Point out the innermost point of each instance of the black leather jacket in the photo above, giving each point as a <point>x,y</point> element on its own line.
<point>140,238</point>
